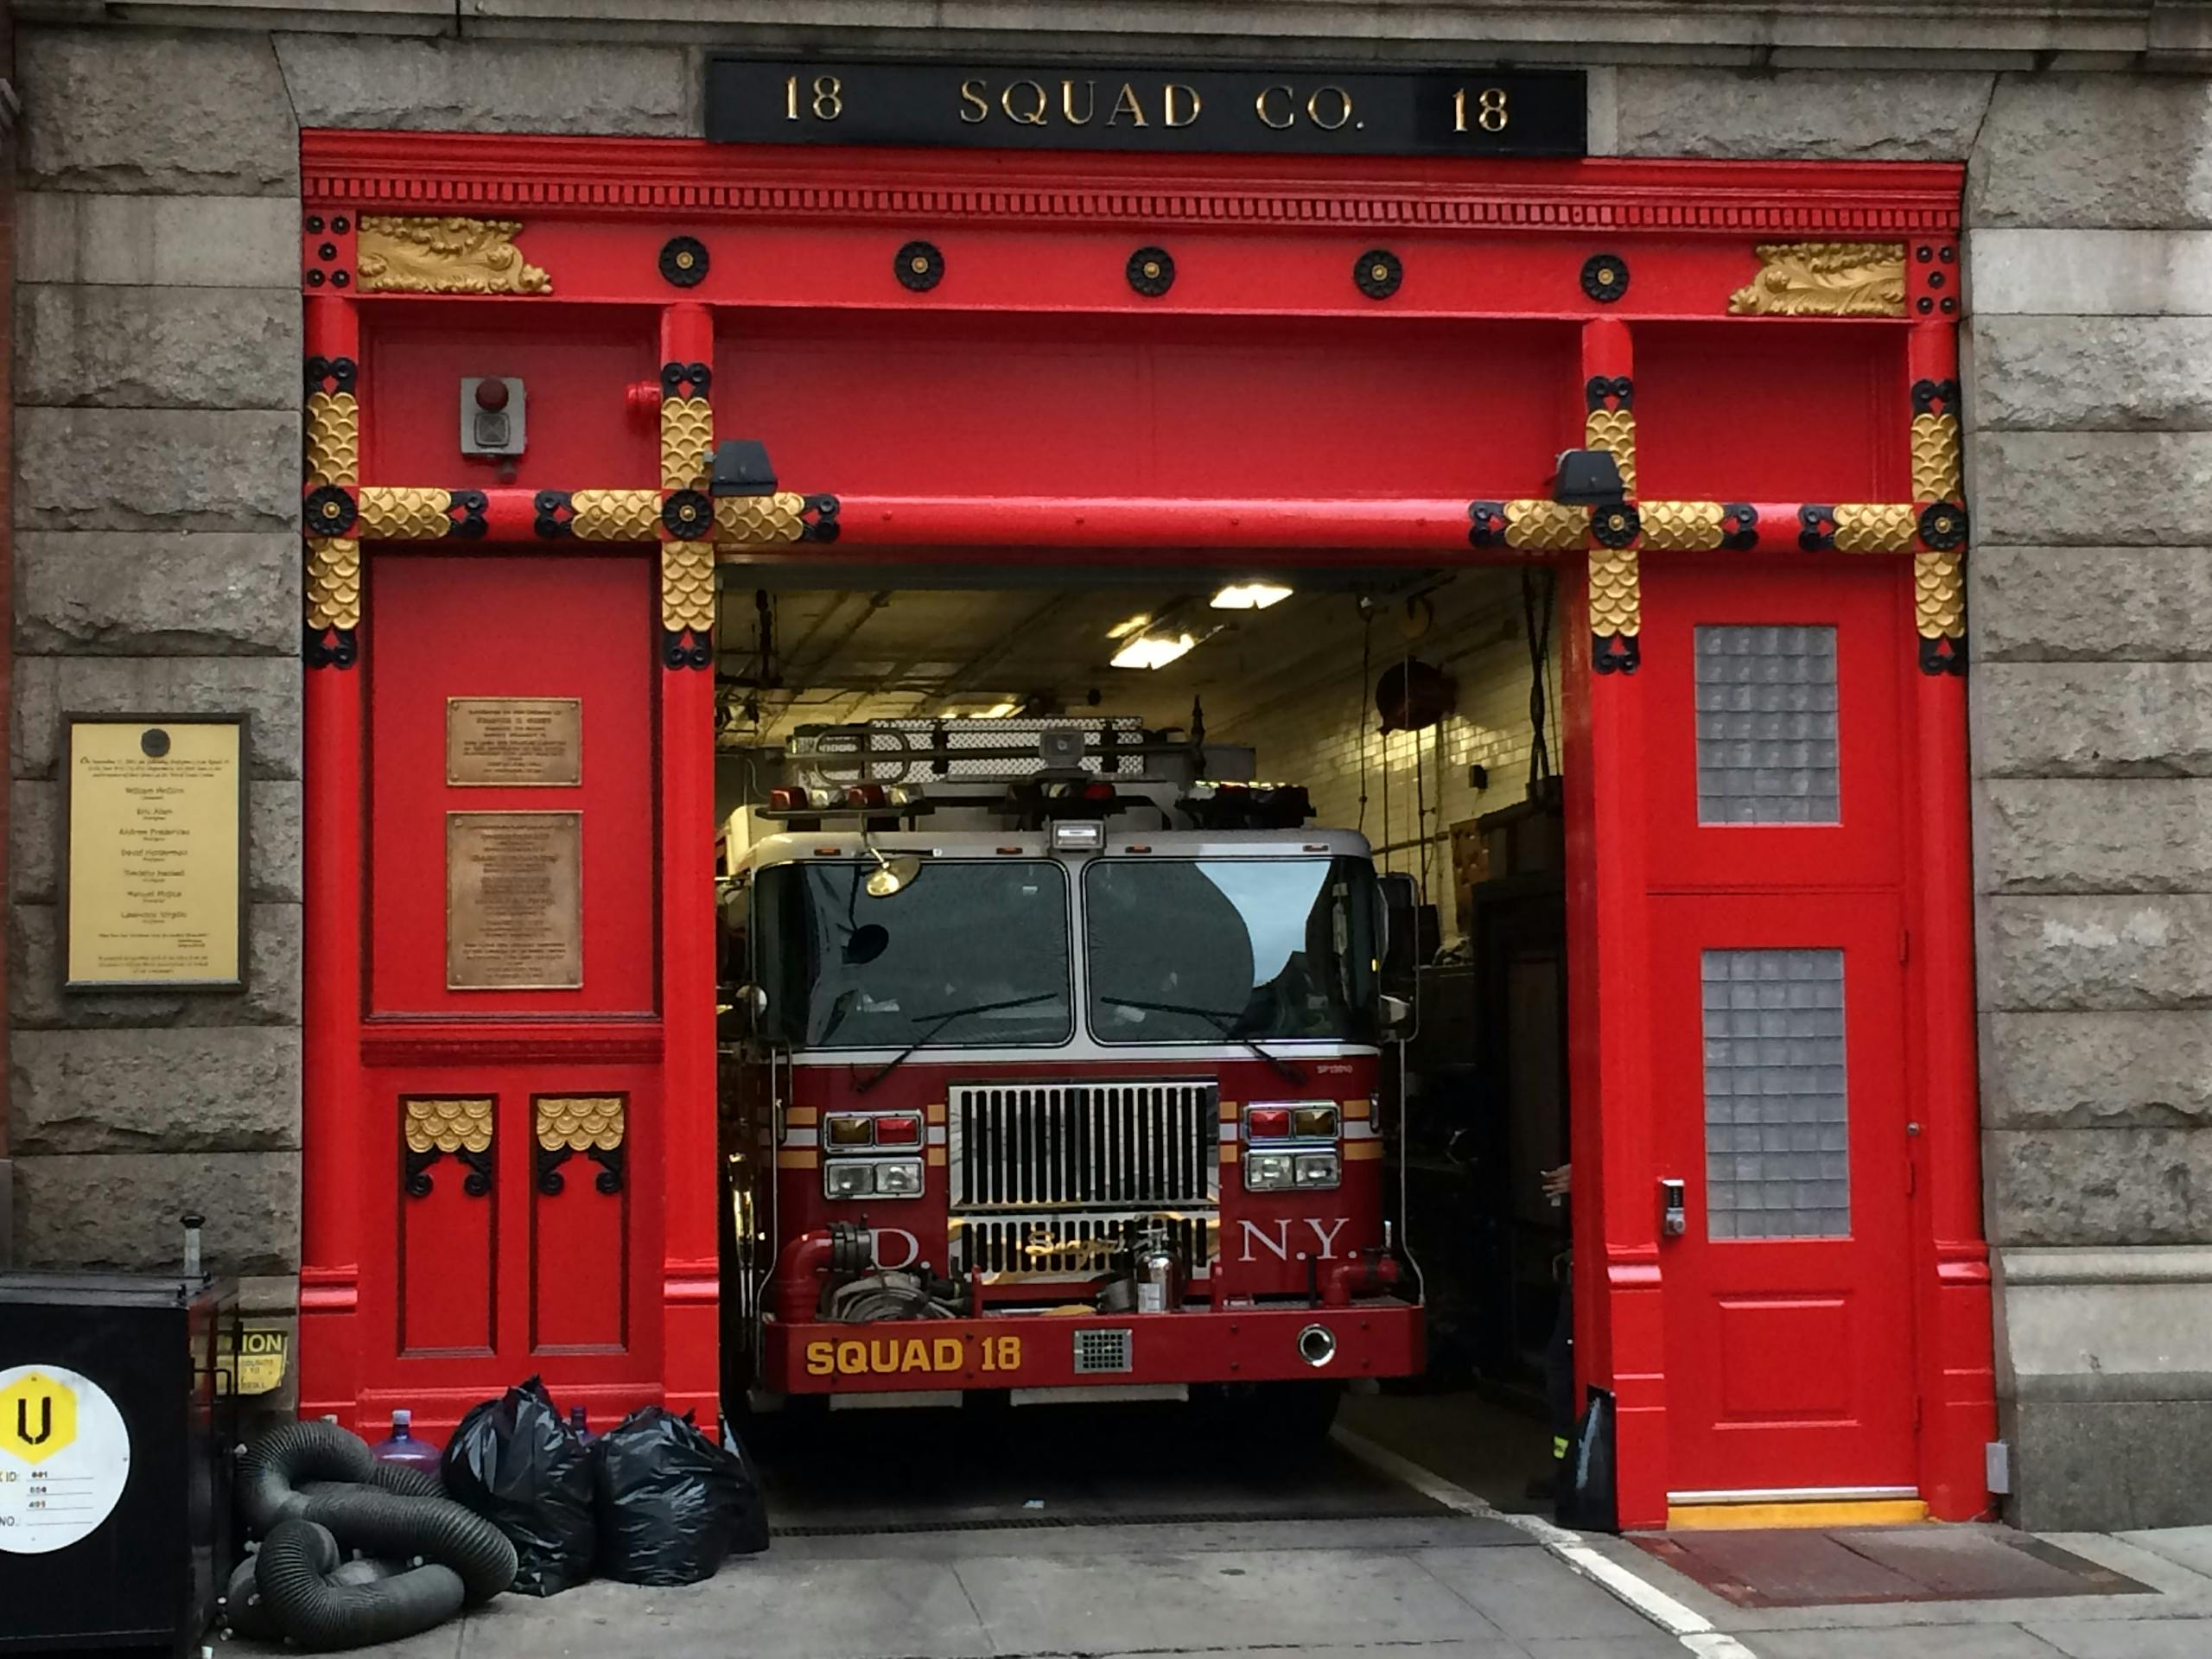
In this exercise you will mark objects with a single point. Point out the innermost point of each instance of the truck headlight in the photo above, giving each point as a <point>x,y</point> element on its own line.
<point>1268,1172</point>
<point>850,1178</point>
<point>899,1178</point>
<point>1316,1169</point>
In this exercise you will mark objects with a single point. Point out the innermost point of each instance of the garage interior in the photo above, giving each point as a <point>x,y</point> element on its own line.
<point>1419,707</point>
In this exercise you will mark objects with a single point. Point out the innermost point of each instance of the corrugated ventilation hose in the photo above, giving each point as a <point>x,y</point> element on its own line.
<point>302,1595</point>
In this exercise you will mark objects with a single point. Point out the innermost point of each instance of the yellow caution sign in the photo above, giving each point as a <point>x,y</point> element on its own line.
<point>38,1417</point>
<point>258,1362</point>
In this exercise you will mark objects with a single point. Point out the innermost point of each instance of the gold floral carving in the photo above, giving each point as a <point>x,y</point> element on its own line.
<point>1682,526</point>
<point>444,256</point>
<point>1616,594</point>
<point>687,433</point>
<point>333,421</point>
<point>1939,602</point>
<point>1545,526</point>
<point>687,587</point>
<point>615,515</point>
<point>1936,458</point>
<point>407,514</point>
<point>1614,429</point>
<point>1882,527</point>
<point>1825,279</point>
<point>778,518</point>
<point>580,1122</point>
<point>444,1124</point>
<point>333,583</point>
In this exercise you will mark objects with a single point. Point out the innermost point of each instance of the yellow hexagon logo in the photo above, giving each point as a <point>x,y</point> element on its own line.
<point>38,1418</point>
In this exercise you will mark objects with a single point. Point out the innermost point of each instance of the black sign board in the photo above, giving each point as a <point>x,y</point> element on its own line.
<point>1265,111</point>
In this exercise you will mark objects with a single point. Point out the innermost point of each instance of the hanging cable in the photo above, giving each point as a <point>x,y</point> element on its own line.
<point>1539,592</point>
<point>1359,705</point>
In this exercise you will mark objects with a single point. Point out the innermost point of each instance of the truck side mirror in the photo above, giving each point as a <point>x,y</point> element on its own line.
<point>1397,1012</point>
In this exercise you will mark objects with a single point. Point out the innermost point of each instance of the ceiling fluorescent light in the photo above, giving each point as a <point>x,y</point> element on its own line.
<point>1153,650</point>
<point>1128,626</point>
<point>1249,596</point>
<point>999,710</point>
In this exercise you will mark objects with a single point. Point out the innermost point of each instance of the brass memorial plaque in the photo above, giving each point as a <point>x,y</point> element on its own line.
<point>494,742</point>
<point>514,901</point>
<point>156,887</point>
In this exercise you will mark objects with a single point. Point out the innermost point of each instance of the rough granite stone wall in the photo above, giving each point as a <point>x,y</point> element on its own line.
<point>158,352</point>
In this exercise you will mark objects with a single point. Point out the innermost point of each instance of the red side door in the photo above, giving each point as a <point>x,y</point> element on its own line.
<point>1782,1085</point>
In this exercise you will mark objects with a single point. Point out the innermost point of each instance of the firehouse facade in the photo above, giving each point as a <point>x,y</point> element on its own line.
<point>1892,367</point>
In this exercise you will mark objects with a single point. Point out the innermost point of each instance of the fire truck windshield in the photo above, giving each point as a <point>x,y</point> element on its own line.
<point>1191,950</point>
<point>986,943</point>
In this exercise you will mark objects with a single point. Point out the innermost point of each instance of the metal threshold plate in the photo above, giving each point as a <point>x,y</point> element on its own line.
<point>1804,1567</point>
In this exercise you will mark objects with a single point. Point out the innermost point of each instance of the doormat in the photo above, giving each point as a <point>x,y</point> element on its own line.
<point>1812,1568</point>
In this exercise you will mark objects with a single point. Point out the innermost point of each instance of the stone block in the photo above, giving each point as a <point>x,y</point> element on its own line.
<point>491,85</point>
<point>182,1090</point>
<point>2091,720</point>
<point>2044,489</point>
<point>150,112</point>
<point>120,1210</point>
<point>2104,834</point>
<point>273,845</point>
<point>2088,273</point>
<point>2117,151</point>
<point>1864,114</point>
<point>266,689</point>
<point>2076,374</point>
<point>190,594</point>
<point>2105,952</point>
<point>95,345</point>
<point>2088,1071</point>
<point>33,841</point>
<point>2097,1187</point>
<point>2097,1466</point>
<point>166,241</point>
<point>157,469</point>
<point>36,1001</point>
<point>2141,603</point>
<point>2131,1322</point>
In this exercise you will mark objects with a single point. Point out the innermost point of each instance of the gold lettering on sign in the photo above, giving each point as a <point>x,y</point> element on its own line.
<point>491,741</point>
<point>975,107</point>
<point>1825,279</point>
<point>1167,104</point>
<point>155,837</point>
<point>514,901</point>
<point>1130,103</point>
<point>1033,104</point>
<point>1261,105</point>
<point>1089,102</point>
<point>1343,107</point>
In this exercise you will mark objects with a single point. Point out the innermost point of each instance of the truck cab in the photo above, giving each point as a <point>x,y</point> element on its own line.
<point>1063,1086</point>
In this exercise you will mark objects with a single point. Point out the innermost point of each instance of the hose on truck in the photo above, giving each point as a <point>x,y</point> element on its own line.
<point>323,1477</point>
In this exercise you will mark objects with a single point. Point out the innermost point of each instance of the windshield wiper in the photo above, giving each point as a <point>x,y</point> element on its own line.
<point>938,1022</point>
<point>1225,1023</point>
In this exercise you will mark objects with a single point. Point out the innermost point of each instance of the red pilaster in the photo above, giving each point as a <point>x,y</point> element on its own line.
<point>1957,1378</point>
<point>1619,1336</point>
<point>334,1104</point>
<point>690,1267</point>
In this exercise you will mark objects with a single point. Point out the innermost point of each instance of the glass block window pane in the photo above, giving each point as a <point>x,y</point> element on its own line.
<point>1766,726</point>
<point>1777,1125</point>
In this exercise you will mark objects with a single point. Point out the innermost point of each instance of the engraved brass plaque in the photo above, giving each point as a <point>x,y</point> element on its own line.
<point>506,741</point>
<point>514,901</point>
<point>156,853</point>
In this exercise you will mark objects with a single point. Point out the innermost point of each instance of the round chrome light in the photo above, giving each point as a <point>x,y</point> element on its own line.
<point>1317,1345</point>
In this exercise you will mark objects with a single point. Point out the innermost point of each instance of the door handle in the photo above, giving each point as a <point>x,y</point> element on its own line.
<point>1674,1207</point>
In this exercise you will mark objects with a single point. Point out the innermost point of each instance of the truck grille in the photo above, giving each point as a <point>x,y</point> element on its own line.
<point>1061,1145</point>
<point>1080,1246</point>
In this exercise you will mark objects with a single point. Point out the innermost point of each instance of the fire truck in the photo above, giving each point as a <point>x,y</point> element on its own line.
<point>1051,1069</point>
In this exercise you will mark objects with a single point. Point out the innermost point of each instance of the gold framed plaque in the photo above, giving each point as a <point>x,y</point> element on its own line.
<point>514,901</point>
<point>511,743</point>
<point>154,890</point>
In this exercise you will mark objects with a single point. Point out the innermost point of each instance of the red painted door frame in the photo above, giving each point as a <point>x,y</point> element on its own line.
<point>802,243</point>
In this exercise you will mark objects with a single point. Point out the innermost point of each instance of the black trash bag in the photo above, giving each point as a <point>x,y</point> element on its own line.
<point>1586,1498</point>
<point>672,1505</point>
<point>516,1464</point>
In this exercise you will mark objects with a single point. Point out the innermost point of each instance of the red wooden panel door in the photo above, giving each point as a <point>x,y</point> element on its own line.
<point>1780,1083</point>
<point>1780,1091</point>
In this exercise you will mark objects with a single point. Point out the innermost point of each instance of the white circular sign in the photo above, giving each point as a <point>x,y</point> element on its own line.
<point>64,1457</point>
